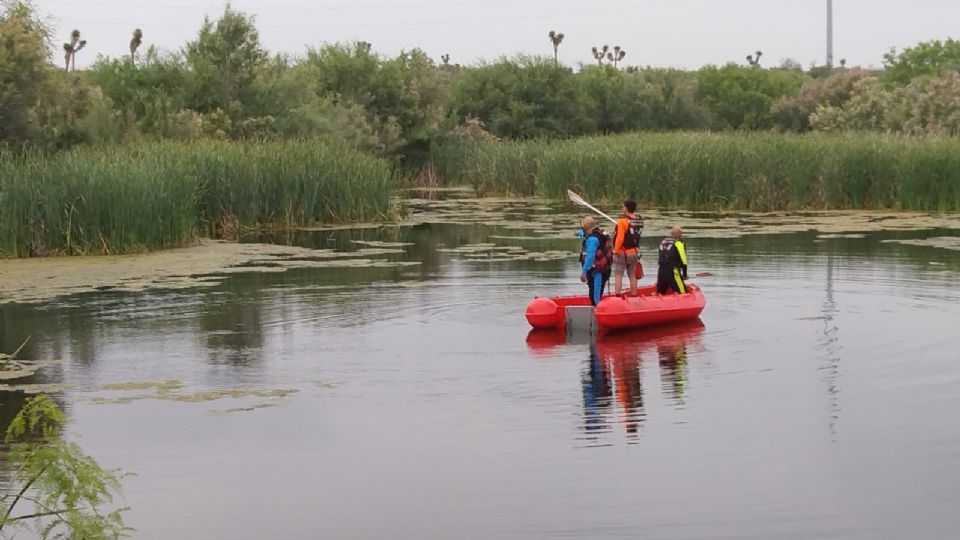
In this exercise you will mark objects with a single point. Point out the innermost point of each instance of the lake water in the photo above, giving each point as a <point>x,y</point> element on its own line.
<point>817,397</point>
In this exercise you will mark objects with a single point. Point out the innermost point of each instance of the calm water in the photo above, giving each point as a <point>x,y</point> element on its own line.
<point>816,398</point>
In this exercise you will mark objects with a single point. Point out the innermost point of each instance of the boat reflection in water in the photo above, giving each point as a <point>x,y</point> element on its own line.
<point>612,379</point>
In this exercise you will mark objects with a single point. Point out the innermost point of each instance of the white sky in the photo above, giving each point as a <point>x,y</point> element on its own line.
<point>678,33</point>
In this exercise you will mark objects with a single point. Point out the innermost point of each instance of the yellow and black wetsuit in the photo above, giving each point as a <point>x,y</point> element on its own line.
<point>672,258</point>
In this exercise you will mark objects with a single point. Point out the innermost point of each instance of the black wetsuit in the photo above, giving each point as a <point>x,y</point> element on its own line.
<point>672,258</point>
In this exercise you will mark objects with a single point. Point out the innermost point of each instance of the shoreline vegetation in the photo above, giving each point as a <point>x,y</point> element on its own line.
<point>719,171</point>
<point>142,197</point>
<point>148,196</point>
<point>158,149</point>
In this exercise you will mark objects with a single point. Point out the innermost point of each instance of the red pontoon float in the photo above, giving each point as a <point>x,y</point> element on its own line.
<point>620,312</point>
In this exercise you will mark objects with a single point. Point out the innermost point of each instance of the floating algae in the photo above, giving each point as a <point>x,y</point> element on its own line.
<point>941,242</point>
<point>518,255</point>
<point>280,266</point>
<point>470,248</point>
<point>12,369</point>
<point>204,265</point>
<point>210,262</point>
<point>346,227</point>
<point>550,217</point>
<point>264,405</point>
<point>235,393</point>
<point>832,236</point>
<point>52,388</point>
<point>521,238</point>
<point>382,244</point>
<point>144,385</point>
<point>171,390</point>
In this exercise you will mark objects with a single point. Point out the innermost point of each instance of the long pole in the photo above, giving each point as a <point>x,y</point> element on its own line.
<point>830,33</point>
<point>580,200</point>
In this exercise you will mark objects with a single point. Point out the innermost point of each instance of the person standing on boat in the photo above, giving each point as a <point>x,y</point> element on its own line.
<point>625,245</point>
<point>595,255</point>
<point>672,259</point>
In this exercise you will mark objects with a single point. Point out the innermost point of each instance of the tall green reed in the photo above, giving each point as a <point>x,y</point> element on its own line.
<point>760,171</point>
<point>164,194</point>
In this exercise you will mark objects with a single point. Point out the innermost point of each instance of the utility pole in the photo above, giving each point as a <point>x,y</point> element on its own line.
<point>829,33</point>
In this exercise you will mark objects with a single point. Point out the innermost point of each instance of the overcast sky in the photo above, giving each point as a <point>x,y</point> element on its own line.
<point>678,33</point>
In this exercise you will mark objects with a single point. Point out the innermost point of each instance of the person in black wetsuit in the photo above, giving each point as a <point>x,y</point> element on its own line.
<point>672,259</point>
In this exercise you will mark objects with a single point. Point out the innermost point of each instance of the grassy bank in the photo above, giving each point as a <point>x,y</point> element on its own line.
<point>150,196</point>
<point>759,171</point>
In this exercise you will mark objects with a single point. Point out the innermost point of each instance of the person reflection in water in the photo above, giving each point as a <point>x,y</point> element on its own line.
<point>626,373</point>
<point>596,395</point>
<point>598,389</point>
<point>612,379</point>
<point>673,370</point>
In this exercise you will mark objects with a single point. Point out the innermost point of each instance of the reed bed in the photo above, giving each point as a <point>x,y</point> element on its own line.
<point>491,167</point>
<point>756,171</point>
<point>157,195</point>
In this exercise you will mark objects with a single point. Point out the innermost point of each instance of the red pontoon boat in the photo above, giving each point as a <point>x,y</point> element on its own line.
<point>620,312</point>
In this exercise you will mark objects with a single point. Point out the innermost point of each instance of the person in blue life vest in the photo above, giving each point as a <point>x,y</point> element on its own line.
<point>672,259</point>
<point>595,258</point>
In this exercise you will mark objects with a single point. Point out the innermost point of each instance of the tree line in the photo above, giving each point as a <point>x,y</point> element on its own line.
<point>225,84</point>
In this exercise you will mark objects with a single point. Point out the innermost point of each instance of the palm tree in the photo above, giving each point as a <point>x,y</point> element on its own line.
<point>555,38</point>
<point>600,54</point>
<point>70,50</point>
<point>135,44</point>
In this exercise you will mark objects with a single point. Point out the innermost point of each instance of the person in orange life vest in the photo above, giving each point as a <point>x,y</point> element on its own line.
<point>625,247</point>
<point>594,258</point>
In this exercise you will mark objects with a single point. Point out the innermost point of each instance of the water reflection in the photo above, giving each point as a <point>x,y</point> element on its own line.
<point>612,378</point>
<point>831,347</point>
<point>433,350</point>
<point>626,373</point>
<point>232,328</point>
<point>673,369</point>
<point>597,396</point>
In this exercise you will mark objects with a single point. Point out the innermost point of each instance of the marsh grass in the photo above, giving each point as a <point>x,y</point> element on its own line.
<point>158,195</point>
<point>491,167</point>
<point>755,171</point>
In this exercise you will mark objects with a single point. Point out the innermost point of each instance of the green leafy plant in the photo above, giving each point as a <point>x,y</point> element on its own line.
<point>923,59</point>
<point>64,489</point>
